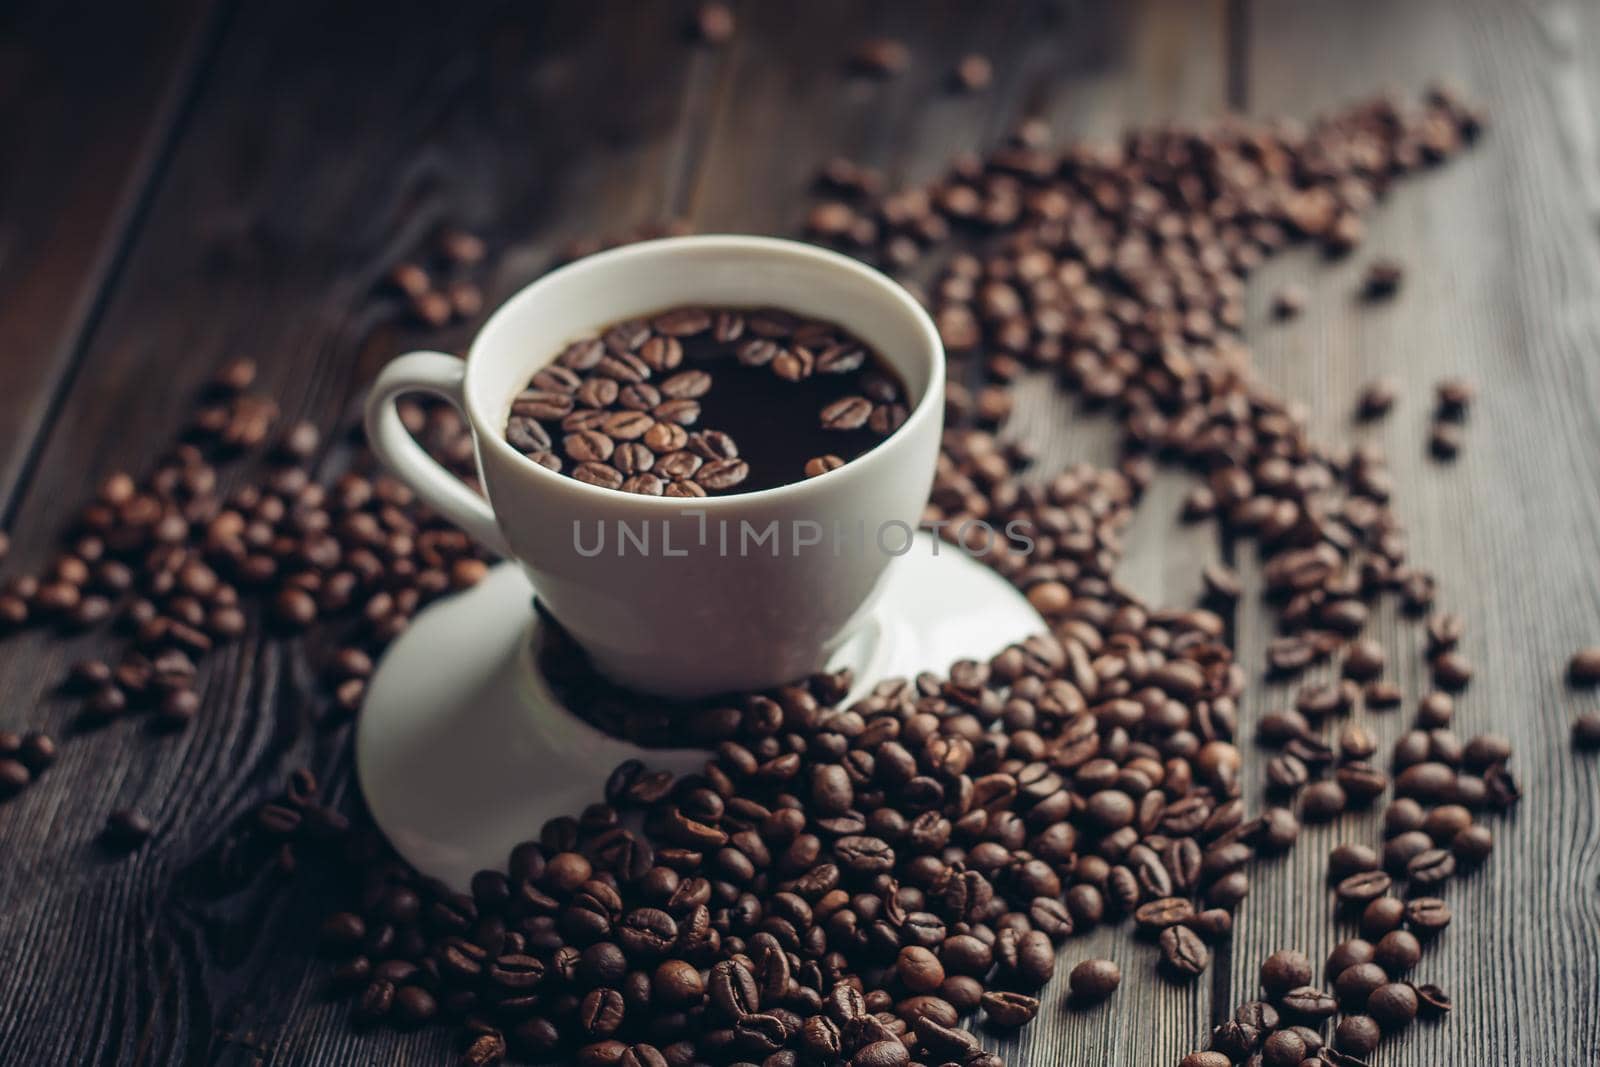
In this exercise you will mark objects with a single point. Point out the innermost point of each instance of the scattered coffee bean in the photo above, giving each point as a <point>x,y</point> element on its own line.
<point>127,828</point>
<point>1426,916</point>
<point>1377,398</point>
<point>1094,980</point>
<point>1586,730</point>
<point>882,57</point>
<point>1009,1010</point>
<point>1381,916</point>
<point>973,73</point>
<point>1584,666</point>
<point>1397,952</point>
<point>1183,953</point>
<point>1454,396</point>
<point>1289,301</point>
<point>1283,971</point>
<point>714,23</point>
<point>1357,1035</point>
<point>1382,279</point>
<point>1445,440</point>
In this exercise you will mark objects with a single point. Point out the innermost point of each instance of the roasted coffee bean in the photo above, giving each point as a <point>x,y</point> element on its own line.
<point>377,1000</point>
<point>1283,971</point>
<point>733,990</point>
<point>847,413</point>
<point>819,465</point>
<point>1429,782</point>
<point>1432,1001</point>
<point>1285,1048</point>
<point>127,828</point>
<point>1357,1035</point>
<point>864,855</point>
<point>1235,1039</point>
<point>919,969</point>
<point>627,425</point>
<point>13,776</point>
<point>1095,980</point>
<point>881,57</point>
<point>1472,845</point>
<point>1393,1006</point>
<point>37,751</point>
<point>1376,398</point>
<point>1183,953</point>
<point>587,446</point>
<point>599,474</point>
<point>1355,984</point>
<point>1397,952</point>
<point>1035,960</point>
<point>486,1050</point>
<point>642,1055</point>
<point>1426,916</point>
<point>1322,801</point>
<point>1401,849</point>
<point>1347,954</point>
<point>888,1053</point>
<point>1382,915</point>
<point>677,983</point>
<point>1584,666</point>
<point>1213,924</point>
<point>1363,887</point>
<point>1161,913</point>
<point>1430,868</point>
<point>722,474</point>
<point>1309,1003</point>
<point>1009,1010</point>
<point>647,932</point>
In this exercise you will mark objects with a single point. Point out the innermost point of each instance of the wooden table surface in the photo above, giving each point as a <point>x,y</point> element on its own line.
<point>184,181</point>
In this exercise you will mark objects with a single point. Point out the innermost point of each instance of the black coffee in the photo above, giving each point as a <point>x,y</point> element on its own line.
<point>699,401</point>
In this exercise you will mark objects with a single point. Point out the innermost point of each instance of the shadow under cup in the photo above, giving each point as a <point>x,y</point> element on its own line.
<point>687,598</point>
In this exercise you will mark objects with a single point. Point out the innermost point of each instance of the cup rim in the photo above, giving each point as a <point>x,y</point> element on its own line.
<point>929,406</point>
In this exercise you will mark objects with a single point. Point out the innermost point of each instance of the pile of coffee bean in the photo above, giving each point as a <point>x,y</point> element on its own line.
<point>439,289</point>
<point>172,560</point>
<point>1286,1027</point>
<point>713,24</point>
<point>696,401</point>
<point>841,882</point>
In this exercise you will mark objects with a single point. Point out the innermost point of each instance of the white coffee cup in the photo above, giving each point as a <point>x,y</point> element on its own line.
<point>704,606</point>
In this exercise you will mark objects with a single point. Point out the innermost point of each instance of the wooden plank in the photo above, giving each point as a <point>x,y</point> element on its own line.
<point>1144,63</point>
<point>90,96</point>
<point>320,151</point>
<point>1089,72</point>
<point>1503,287</point>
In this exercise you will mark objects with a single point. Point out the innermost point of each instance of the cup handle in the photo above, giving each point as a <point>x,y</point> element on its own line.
<point>443,376</point>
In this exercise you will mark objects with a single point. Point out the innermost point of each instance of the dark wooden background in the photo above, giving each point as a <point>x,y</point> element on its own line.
<point>183,181</point>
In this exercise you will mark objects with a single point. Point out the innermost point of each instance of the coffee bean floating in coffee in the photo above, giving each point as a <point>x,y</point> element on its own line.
<point>699,401</point>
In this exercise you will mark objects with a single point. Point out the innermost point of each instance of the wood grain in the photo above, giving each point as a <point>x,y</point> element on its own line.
<point>319,152</point>
<point>91,99</point>
<point>1503,287</point>
<point>320,142</point>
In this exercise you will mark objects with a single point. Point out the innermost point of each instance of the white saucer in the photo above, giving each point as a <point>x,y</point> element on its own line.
<point>463,751</point>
